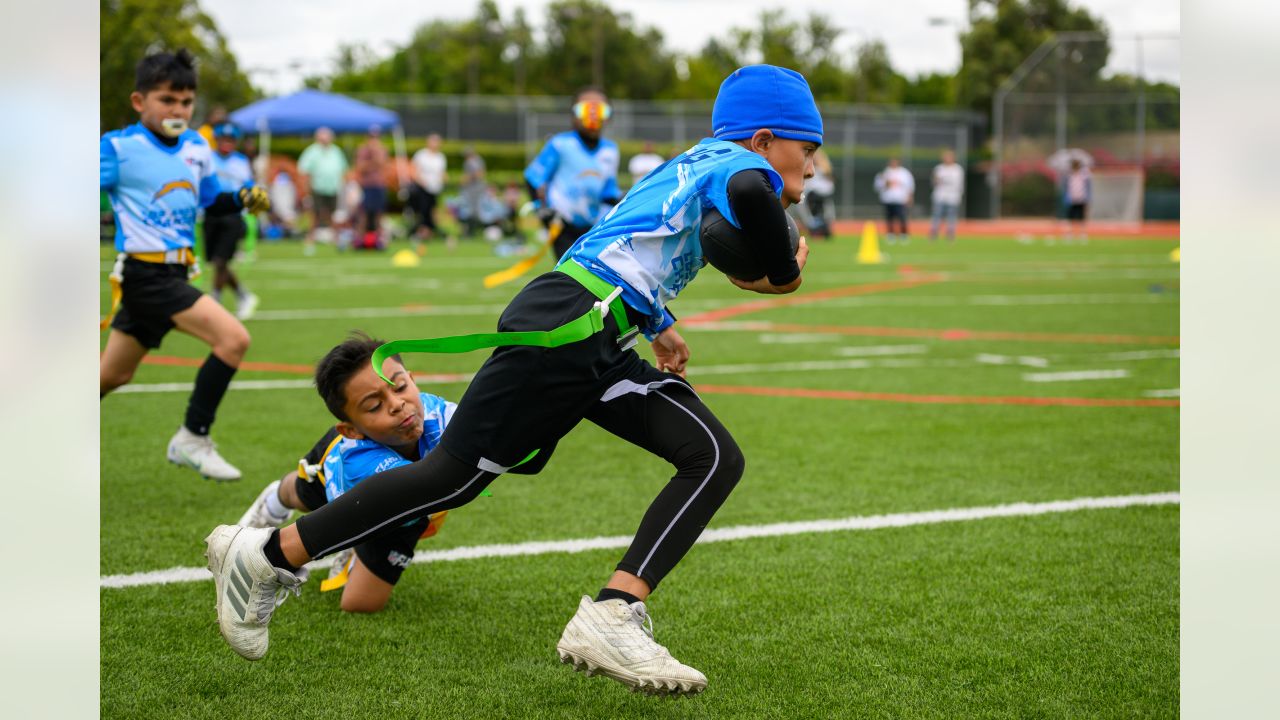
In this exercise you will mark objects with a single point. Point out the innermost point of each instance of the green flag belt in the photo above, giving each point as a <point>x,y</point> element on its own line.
<point>578,329</point>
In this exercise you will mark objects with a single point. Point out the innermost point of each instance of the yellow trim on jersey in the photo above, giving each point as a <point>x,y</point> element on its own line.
<point>302,463</point>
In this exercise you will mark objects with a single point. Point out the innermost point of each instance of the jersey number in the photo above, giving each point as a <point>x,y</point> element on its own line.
<point>694,157</point>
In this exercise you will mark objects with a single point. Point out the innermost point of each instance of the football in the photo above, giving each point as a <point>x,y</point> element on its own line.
<point>728,251</point>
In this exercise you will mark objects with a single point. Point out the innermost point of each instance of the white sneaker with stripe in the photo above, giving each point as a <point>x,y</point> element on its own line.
<point>614,639</point>
<point>249,588</point>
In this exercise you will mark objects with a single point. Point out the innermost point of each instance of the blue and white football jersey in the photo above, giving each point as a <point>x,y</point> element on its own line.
<point>650,243</point>
<point>349,461</point>
<point>234,171</point>
<point>576,178</point>
<point>156,190</point>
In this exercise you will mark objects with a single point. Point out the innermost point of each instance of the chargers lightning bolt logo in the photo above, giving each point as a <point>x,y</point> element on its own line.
<point>172,186</point>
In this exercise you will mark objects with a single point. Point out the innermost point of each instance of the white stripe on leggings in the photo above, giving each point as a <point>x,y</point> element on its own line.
<point>354,540</point>
<point>714,465</point>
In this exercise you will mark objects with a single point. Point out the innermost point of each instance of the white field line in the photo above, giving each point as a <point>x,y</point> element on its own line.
<point>739,532</point>
<point>1145,355</point>
<point>377,312</point>
<point>861,350</point>
<point>1169,393</point>
<point>1075,375</point>
<point>851,364</point>
<point>299,384</point>
<point>1028,360</point>
<point>797,338</point>
<point>699,306</point>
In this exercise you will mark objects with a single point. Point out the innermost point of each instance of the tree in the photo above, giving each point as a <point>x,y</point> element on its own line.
<point>587,43</point>
<point>131,29</point>
<point>1003,33</point>
<point>930,89</point>
<point>875,79</point>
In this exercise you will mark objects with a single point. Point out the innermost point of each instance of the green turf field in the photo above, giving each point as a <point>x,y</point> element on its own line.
<point>980,374</point>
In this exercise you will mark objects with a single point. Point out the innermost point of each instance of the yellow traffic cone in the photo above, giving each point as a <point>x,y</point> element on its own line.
<point>1176,255</point>
<point>406,259</point>
<point>869,250</point>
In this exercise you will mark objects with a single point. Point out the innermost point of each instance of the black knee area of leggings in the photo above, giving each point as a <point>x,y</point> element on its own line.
<point>722,460</point>
<point>390,499</point>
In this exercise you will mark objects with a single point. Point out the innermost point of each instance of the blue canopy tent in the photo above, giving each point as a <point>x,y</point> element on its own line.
<point>306,111</point>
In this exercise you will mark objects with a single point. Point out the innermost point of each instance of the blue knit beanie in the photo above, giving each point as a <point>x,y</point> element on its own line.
<point>766,97</point>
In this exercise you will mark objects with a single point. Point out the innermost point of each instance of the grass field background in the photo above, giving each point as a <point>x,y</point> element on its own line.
<point>924,383</point>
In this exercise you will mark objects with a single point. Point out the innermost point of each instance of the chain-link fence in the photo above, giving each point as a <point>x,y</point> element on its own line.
<point>1105,101</point>
<point>859,139</point>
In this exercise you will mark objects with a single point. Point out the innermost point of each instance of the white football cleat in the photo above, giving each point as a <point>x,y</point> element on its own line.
<point>198,452</point>
<point>249,588</point>
<point>614,639</point>
<point>259,515</point>
<point>246,307</point>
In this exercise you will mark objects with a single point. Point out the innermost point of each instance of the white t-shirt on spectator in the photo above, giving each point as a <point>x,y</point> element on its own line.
<point>643,164</point>
<point>948,183</point>
<point>430,166</point>
<point>895,185</point>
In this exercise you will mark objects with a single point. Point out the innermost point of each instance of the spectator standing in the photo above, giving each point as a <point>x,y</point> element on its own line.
<point>644,163</point>
<point>1076,193</point>
<point>948,189</point>
<point>897,191</point>
<point>474,188</point>
<point>818,192</point>
<point>371,172</point>
<point>324,165</point>
<point>429,165</point>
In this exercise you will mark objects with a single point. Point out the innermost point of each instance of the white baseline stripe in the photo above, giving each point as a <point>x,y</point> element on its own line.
<point>274,384</point>
<point>1074,375</point>
<point>739,532</point>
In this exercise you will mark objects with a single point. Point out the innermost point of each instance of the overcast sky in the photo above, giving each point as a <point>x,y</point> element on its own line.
<point>282,41</point>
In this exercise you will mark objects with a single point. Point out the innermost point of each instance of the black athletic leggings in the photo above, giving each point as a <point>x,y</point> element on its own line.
<point>669,421</point>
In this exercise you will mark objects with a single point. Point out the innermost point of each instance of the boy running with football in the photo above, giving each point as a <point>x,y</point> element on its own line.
<point>625,271</point>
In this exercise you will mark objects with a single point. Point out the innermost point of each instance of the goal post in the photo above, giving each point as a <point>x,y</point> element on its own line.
<point>1117,195</point>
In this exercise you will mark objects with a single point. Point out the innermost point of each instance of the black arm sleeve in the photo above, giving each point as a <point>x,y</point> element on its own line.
<point>224,204</point>
<point>763,222</point>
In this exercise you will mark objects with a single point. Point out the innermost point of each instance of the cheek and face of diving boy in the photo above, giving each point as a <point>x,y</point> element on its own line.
<point>389,415</point>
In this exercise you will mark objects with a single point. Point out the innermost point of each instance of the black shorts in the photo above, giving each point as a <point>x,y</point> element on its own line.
<point>527,398</point>
<point>324,205</point>
<point>1075,211</point>
<point>152,294</point>
<point>387,555</point>
<point>221,235</point>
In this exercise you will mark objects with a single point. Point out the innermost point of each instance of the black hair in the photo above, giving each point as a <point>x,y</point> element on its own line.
<point>335,369</point>
<point>178,69</point>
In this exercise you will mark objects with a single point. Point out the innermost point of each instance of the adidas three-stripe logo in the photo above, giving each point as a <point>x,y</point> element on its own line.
<point>238,589</point>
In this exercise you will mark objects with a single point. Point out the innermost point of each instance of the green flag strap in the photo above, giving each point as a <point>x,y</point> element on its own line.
<point>581,328</point>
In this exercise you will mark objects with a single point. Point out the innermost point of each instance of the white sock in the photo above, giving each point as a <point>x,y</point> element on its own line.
<point>274,506</point>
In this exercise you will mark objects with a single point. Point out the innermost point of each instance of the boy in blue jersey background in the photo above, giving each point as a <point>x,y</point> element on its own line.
<point>222,233</point>
<point>575,177</point>
<point>158,175</point>
<point>635,261</point>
